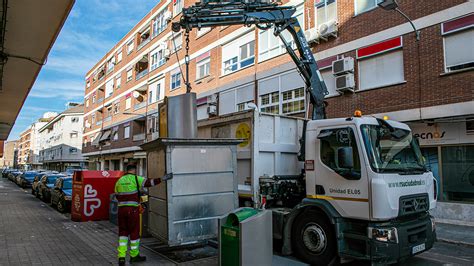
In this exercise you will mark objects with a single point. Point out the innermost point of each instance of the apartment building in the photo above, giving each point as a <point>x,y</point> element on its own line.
<point>8,159</point>
<point>379,68</point>
<point>61,140</point>
<point>25,151</point>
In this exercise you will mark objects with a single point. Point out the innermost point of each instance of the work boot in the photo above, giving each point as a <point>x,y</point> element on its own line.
<point>121,261</point>
<point>138,258</point>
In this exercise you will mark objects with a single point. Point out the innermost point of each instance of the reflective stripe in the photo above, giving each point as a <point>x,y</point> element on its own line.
<point>126,193</point>
<point>123,238</point>
<point>133,247</point>
<point>153,182</point>
<point>127,202</point>
<point>134,241</point>
<point>122,243</point>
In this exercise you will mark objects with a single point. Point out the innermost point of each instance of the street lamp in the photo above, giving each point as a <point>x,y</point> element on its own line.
<point>393,5</point>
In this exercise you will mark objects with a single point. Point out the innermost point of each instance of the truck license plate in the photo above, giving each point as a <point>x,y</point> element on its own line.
<point>418,248</point>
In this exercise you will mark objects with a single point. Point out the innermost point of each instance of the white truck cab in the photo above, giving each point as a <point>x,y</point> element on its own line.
<point>368,178</point>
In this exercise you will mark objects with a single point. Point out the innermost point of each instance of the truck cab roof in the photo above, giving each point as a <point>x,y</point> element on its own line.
<point>313,125</point>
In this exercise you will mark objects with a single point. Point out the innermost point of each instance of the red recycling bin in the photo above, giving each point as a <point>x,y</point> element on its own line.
<point>91,194</point>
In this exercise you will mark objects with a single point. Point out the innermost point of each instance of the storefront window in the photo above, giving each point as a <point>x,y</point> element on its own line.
<point>458,173</point>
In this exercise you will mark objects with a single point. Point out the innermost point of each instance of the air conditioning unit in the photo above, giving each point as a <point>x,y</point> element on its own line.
<point>168,16</point>
<point>212,110</point>
<point>167,53</point>
<point>212,99</point>
<point>345,83</point>
<point>328,29</point>
<point>312,35</point>
<point>343,66</point>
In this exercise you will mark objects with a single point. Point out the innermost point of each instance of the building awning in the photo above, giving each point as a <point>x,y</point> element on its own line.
<point>97,139</point>
<point>105,136</point>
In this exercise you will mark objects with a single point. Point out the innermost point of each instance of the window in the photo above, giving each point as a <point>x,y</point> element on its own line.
<point>157,58</point>
<point>177,6</point>
<point>175,80</point>
<point>270,103</point>
<point>203,68</point>
<point>330,81</point>
<point>119,56</point>
<point>176,42</point>
<point>326,10</point>
<point>362,6</point>
<point>270,45</point>
<point>94,98</point>
<point>128,103</point>
<point>72,150</point>
<point>459,50</point>
<point>143,38</point>
<point>130,46</point>
<point>241,106</point>
<point>151,94</point>
<point>331,141</point>
<point>156,91</point>
<point>381,70</point>
<point>293,101</point>
<point>115,134</point>
<point>118,81</point>
<point>238,54</point>
<point>109,88</point>
<point>110,64</point>
<point>93,119</point>
<point>129,75</point>
<point>126,132</point>
<point>159,23</point>
<point>87,102</point>
<point>74,119</point>
<point>457,173</point>
<point>116,108</point>
<point>88,83</point>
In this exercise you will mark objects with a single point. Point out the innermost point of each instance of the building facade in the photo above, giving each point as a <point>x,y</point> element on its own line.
<point>379,68</point>
<point>61,145</point>
<point>25,151</point>
<point>8,159</point>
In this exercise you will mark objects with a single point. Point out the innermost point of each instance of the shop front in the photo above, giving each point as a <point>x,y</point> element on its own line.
<point>448,148</point>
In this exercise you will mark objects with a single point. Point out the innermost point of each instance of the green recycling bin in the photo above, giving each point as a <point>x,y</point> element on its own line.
<point>245,238</point>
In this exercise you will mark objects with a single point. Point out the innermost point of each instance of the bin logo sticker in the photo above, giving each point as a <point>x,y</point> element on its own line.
<point>105,174</point>
<point>77,202</point>
<point>243,132</point>
<point>90,201</point>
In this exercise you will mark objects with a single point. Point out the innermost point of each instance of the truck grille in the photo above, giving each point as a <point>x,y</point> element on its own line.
<point>413,204</point>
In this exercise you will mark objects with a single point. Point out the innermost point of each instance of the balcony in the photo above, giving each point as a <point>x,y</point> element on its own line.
<point>100,100</point>
<point>139,105</point>
<point>98,123</point>
<point>138,137</point>
<point>143,43</point>
<point>141,74</point>
<point>107,119</point>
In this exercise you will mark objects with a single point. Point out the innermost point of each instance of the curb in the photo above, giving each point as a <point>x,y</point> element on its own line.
<point>460,243</point>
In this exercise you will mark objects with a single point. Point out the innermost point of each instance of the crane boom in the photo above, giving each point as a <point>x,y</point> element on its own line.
<point>264,16</point>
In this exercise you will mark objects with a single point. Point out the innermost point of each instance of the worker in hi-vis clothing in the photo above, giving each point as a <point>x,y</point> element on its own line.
<point>128,191</point>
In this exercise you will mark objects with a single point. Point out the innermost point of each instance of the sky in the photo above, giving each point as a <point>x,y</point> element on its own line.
<point>91,30</point>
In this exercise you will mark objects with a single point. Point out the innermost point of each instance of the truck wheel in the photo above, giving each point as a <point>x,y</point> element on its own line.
<point>313,238</point>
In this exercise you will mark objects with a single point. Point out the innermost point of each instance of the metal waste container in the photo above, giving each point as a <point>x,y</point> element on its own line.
<point>245,238</point>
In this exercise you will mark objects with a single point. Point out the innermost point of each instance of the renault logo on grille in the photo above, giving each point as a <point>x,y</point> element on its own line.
<point>416,205</point>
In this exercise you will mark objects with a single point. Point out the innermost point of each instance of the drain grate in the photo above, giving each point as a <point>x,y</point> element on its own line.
<point>182,253</point>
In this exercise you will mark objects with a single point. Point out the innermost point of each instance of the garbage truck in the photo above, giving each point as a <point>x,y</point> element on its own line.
<point>346,188</point>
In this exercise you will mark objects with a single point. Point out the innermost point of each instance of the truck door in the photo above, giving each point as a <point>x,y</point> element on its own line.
<point>340,174</point>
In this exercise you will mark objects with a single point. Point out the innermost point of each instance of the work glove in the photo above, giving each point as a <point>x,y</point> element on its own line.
<point>167,177</point>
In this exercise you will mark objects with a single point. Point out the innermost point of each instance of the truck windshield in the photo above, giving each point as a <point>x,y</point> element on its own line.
<point>392,150</point>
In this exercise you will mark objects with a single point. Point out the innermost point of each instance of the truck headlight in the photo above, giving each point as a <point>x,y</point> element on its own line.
<point>383,234</point>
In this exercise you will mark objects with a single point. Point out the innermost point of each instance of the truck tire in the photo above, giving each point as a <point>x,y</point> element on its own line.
<point>313,238</point>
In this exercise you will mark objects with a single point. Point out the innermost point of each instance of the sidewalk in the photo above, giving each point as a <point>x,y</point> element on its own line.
<point>455,234</point>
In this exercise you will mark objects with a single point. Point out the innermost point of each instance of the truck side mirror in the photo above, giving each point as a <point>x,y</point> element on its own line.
<point>345,157</point>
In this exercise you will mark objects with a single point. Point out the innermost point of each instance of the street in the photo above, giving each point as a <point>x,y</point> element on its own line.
<point>33,233</point>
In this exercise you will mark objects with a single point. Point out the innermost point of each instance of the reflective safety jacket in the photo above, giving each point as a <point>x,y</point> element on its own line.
<point>126,189</point>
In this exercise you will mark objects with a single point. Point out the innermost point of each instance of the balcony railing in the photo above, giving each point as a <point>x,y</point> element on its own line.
<point>143,43</point>
<point>100,100</point>
<point>141,74</point>
<point>139,105</point>
<point>138,137</point>
<point>107,119</point>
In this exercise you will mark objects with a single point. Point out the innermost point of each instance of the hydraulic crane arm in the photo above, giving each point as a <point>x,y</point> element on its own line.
<point>264,16</point>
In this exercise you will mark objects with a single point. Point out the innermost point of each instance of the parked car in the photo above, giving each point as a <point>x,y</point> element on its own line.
<point>45,186</point>
<point>12,175</point>
<point>26,179</point>
<point>61,194</point>
<point>35,183</point>
<point>7,171</point>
